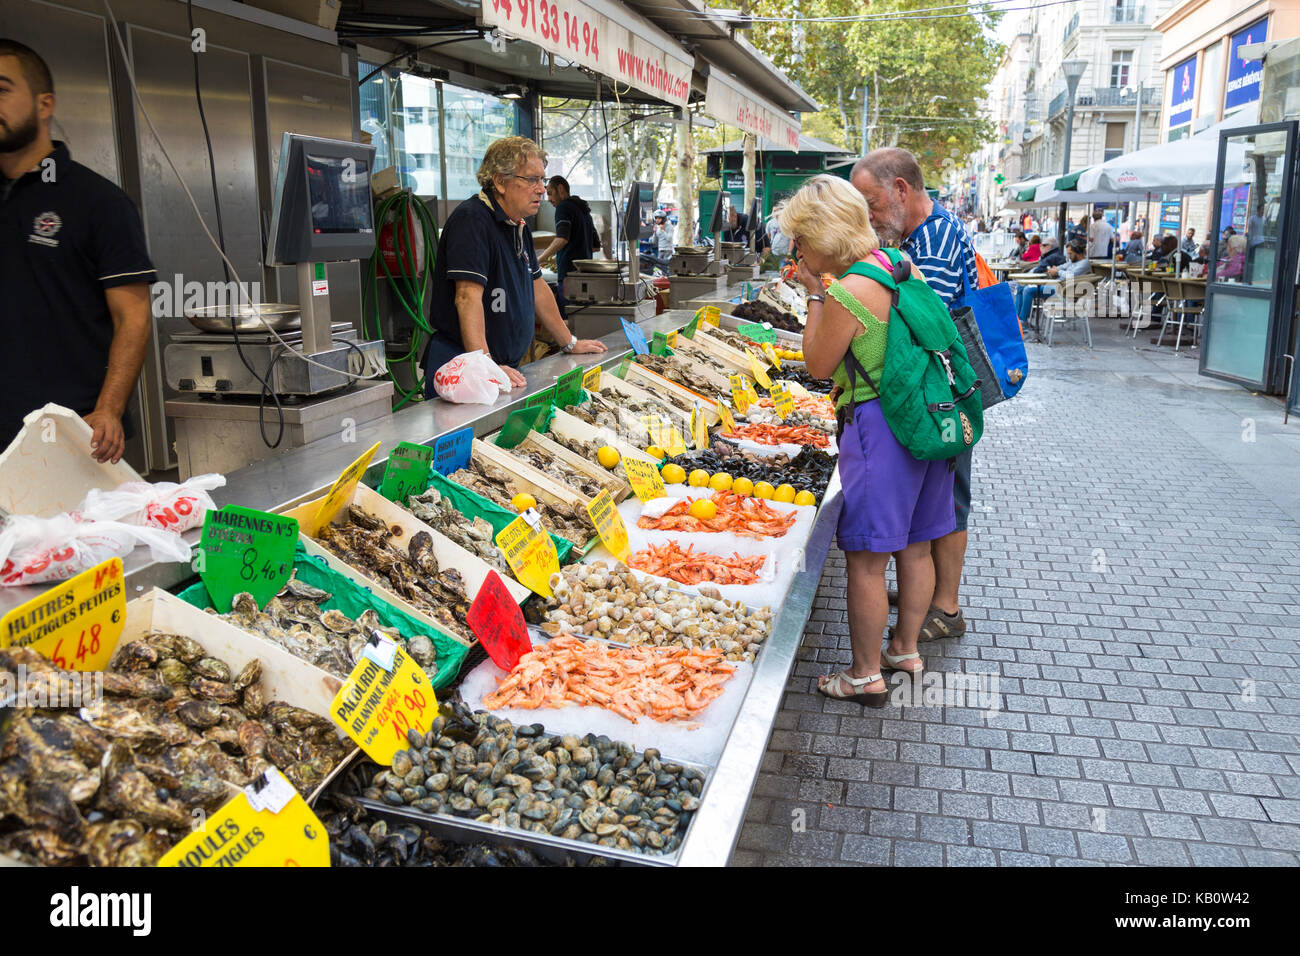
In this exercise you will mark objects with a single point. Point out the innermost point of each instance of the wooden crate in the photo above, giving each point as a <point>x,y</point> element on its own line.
<point>726,356</point>
<point>573,427</point>
<point>654,382</point>
<point>639,394</point>
<point>732,354</point>
<point>617,487</point>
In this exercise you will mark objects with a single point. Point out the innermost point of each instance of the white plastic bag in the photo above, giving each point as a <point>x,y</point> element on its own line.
<point>34,549</point>
<point>472,378</point>
<point>164,505</point>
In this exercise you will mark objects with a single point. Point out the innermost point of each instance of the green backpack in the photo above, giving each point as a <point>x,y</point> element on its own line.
<point>928,392</point>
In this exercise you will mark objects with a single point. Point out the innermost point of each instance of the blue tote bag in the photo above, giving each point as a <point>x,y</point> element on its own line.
<point>999,327</point>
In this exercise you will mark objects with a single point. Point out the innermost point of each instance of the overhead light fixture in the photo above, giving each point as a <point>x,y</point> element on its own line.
<point>513,92</point>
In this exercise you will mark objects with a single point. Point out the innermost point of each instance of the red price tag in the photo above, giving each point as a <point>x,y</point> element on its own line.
<point>497,622</point>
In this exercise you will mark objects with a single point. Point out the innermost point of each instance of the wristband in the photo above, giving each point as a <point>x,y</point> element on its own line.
<point>569,348</point>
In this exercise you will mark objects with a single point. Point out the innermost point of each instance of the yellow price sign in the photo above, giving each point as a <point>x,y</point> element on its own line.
<point>671,340</point>
<point>739,393</point>
<point>728,422</point>
<point>591,379</point>
<point>712,315</point>
<point>772,357</point>
<point>76,623</point>
<point>759,373</point>
<point>664,434</point>
<point>264,826</point>
<point>530,552</point>
<point>699,428</point>
<point>609,525</point>
<point>384,697</point>
<point>782,400</point>
<point>644,477</point>
<point>749,390</point>
<point>340,492</point>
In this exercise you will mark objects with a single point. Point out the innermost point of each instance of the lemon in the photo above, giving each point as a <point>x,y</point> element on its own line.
<point>703,509</point>
<point>720,482</point>
<point>784,494</point>
<point>523,501</point>
<point>763,490</point>
<point>742,486</point>
<point>654,451</point>
<point>805,498</point>
<point>699,478</point>
<point>608,456</point>
<point>673,474</point>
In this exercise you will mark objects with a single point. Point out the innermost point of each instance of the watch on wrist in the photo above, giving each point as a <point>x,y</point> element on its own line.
<point>569,348</point>
<point>816,298</point>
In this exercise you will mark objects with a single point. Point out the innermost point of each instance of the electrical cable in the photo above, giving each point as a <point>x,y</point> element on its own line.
<point>221,238</point>
<point>428,46</point>
<point>153,130</point>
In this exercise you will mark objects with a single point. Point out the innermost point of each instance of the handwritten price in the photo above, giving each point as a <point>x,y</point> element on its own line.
<point>416,704</point>
<point>249,572</point>
<point>83,648</point>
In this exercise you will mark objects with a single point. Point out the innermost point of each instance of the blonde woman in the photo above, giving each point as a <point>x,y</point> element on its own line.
<point>893,503</point>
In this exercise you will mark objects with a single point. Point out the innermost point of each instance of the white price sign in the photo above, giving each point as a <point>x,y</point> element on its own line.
<point>730,103</point>
<point>611,40</point>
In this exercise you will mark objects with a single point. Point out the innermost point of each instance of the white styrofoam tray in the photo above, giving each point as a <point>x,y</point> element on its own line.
<point>698,741</point>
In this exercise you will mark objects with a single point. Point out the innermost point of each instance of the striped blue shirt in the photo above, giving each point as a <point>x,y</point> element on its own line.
<point>940,247</point>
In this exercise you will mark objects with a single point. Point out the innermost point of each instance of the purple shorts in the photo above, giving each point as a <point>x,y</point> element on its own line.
<point>891,499</point>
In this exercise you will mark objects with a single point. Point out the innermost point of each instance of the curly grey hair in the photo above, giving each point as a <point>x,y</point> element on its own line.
<point>505,157</point>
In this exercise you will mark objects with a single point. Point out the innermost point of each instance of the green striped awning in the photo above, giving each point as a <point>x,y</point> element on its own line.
<point>1069,180</point>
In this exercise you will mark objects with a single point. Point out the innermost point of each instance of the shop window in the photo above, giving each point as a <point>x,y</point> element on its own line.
<point>1115,139</point>
<point>473,120</point>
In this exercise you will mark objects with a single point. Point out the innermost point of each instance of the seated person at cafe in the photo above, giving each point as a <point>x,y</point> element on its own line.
<point>1021,245</point>
<point>1034,251</point>
<point>1233,262</point>
<point>1077,265</point>
<point>1133,249</point>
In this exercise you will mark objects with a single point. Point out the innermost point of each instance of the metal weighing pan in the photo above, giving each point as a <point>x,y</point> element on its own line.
<point>608,266</point>
<point>280,316</point>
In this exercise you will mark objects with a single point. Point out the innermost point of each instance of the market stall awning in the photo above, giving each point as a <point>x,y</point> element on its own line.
<point>605,37</point>
<point>733,103</point>
<point>1181,166</point>
<point>1023,192</point>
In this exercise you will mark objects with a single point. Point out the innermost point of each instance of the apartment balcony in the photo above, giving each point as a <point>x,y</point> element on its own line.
<point>1105,97</point>
<point>1071,28</point>
<point>1125,13</point>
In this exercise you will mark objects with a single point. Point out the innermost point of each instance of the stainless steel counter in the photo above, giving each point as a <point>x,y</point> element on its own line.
<point>306,472</point>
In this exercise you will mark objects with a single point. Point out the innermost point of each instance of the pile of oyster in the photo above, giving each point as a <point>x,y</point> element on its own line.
<point>366,543</point>
<point>561,471</point>
<point>589,788</point>
<point>588,450</point>
<point>475,536</point>
<point>498,485</point>
<point>119,782</point>
<point>595,600</point>
<point>331,640</point>
<point>678,372</point>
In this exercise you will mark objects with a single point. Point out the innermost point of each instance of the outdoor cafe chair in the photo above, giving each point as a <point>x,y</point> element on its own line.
<point>1073,301</point>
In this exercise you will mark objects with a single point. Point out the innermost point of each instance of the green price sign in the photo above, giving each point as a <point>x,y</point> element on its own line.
<point>692,326</point>
<point>568,387</point>
<point>545,397</point>
<point>406,472</point>
<point>245,550</point>
<point>756,332</point>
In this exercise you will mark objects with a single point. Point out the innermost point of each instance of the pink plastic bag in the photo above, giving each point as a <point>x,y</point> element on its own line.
<point>472,378</point>
<point>33,550</point>
<point>164,505</point>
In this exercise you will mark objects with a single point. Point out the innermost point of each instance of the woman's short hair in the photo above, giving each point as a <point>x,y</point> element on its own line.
<point>831,218</point>
<point>505,157</point>
<point>1236,244</point>
<point>1035,241</point>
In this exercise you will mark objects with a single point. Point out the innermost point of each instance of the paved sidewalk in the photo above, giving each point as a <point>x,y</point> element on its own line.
<point>1133,580</point>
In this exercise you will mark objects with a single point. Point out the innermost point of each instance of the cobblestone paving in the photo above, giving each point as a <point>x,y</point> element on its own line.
<point>1133,580</point>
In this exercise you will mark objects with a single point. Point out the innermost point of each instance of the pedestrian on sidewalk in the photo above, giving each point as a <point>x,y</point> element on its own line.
<point>894,504</point>
<point>904,215</point>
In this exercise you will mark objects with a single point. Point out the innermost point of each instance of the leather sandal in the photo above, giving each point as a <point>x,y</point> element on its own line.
<point>890,662</point>
<point>873,699</point>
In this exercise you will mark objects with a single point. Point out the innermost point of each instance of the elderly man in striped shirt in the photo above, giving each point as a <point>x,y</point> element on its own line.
<point>904,215</point>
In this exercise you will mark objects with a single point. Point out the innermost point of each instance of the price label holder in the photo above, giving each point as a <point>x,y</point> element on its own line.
<point>609,525</point>
<point>377,705</point>
<point>568,387</point>
<point>693,326</point>
<point>728,422</point>
<point>739,393</point>
<point>644,477</point>
<point>664,434</point>
<point>499,625</point>
<point>543,398</point>
<point>659,346</point>
<point>340,492</point>
<point>452,451</point>
<point>772,357</point>
<point>75,623</point>
<point>406,472</point>
<point>245,550</point>
<point>268,824</point>
<point>635,336</point>
<point>621,371</point>
<point>519,423</point>
<point>671,339</point>
<point>591,379</point>
<point>782,400</point>
<point>530,552</point>
<point>759,332</point>
<point>760,374</point>
<point>712,315</point>
<point>699,428</point>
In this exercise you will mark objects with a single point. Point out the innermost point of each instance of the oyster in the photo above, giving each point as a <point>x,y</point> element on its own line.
<point>495,484</point>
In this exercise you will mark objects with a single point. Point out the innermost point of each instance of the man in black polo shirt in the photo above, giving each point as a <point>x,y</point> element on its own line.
<point>575,233</point>
<point>487,291</point>
<point>74,271</point>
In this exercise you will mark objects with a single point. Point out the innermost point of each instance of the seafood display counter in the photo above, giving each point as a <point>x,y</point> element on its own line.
<point>685,807</point>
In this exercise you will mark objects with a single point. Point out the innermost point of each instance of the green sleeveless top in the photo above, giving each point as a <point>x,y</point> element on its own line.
<point>868,346</point>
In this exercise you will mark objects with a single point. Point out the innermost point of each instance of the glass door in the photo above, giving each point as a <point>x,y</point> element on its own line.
<point>1249,291</point>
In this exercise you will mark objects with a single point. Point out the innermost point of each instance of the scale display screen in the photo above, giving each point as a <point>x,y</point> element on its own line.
<point>340,195</point>
<point>322,210</point>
